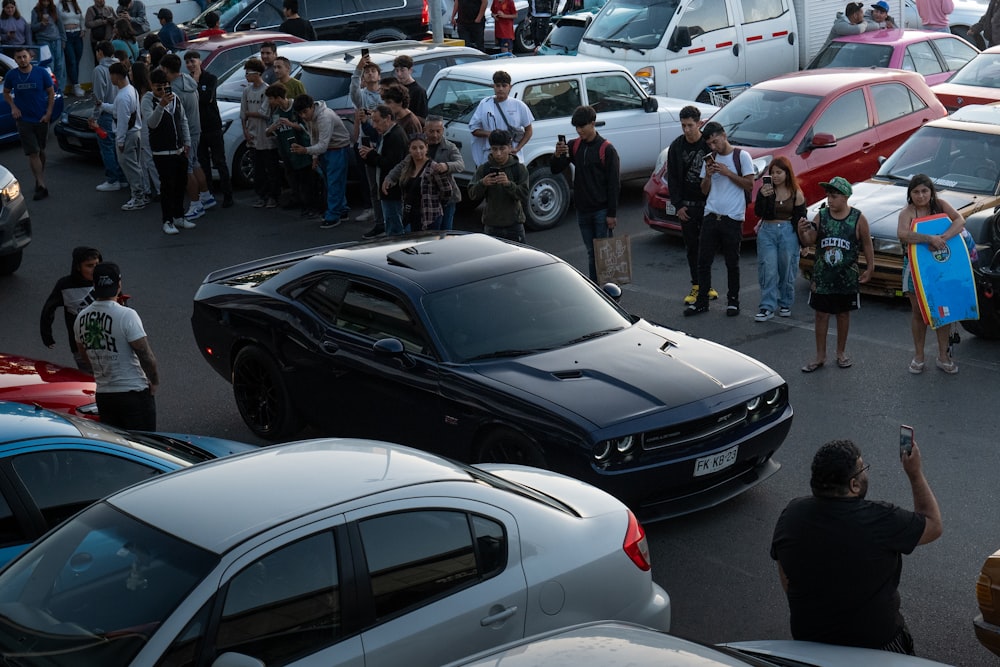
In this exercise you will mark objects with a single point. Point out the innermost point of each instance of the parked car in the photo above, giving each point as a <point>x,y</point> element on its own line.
<point>564,38</point>
<point>51,386</point>
<point>53,465</point>
<point>987,622</point>
<point>976,83</point>
<point>637,124</point>
<point>8,128</point>
<point>219,54</point>
<point>935,55</point>
<point>368,21</point>
<point>617,644</point>
<point>15,222</point>
<point>832,122</point>
<point>961,154</point>
<point>326,74</point>
<point>332,552</point>
<point>398,339</point>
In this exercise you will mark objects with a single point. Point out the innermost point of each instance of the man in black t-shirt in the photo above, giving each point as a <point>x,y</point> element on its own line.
<point>469,17</point>
<point>295,24</point>
<point>840,556</point>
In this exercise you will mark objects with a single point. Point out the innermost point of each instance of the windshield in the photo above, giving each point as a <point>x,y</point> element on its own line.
<point>544,308</point>
<point>94,591</point>
<point>765,118</point>
<point>565,37</point>
<point>954,159</point>
<point>179,453</point>
<point>331,86</point>
<point>852,54</point>
<point>636,23</point>
<point>228,11</point>
<point>456,100</point>
<point>983,70</point>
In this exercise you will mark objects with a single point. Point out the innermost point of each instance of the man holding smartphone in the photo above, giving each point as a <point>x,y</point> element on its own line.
<point>840,555</point>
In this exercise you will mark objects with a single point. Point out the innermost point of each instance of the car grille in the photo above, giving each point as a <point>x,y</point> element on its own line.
<point>696,430</point>
<point>79,123</point>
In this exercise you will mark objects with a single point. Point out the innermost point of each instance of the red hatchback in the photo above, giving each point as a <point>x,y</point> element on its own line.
<point>58,388</point>
<point>220,53</point>
<point>831,122</point>
<point>976,83</point>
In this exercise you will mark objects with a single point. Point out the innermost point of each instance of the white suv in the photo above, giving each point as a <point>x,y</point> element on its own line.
<point>639,125</point>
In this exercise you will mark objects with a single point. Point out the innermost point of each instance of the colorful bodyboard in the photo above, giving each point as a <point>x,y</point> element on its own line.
<point>943,280</point>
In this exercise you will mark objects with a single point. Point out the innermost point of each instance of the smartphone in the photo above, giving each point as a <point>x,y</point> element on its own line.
<point>495,170</point>
<point>905,440</point>
<point>364,53</point>
<point>709,159</point>
<point>366,141</point>
<point>166,89</point>
<point>562,138</point>
<point>767,179</point>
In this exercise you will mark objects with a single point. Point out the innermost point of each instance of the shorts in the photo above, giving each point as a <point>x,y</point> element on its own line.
<point>193,154</point>
<point>33,136</point>
<point>907,275</point>
<point>834,304</point>
<point>506,41</point>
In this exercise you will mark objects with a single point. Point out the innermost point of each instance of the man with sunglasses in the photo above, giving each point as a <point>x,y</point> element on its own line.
<point>840,555</point>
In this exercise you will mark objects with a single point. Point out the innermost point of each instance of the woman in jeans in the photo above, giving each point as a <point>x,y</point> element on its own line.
<point>72,21</point>
<point>48,31</point>
<point>780,205</point>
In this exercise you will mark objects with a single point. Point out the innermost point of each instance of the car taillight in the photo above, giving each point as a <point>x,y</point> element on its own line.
<point>635,545</point>
<point>425,15</point>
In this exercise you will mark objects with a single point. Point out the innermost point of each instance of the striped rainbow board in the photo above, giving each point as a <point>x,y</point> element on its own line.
<point>944,284</point>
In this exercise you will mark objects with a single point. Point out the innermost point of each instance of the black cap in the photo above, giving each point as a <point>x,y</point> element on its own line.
<point>107,279</point>
<point>165,13</point>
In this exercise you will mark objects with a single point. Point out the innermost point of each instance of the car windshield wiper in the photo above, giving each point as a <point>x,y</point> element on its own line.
<point>501,354</point>
<point>608,43</point>
<point>593,334</point>
<point>893,177</point>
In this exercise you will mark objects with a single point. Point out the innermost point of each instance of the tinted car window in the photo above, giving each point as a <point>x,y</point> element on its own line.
<point>612,93</point>
<point>552,99</point>
<point>765,118</point>
<point>332,87</point>
<point>920,57</point>
<point>761,10</point>
<point>846,115</point>
<point>456,100</point>
<point>376,314</point>
<point>10,529</point>
<point>892,100</point>
<point>984,71</point>
<point>228,58</point>
<point>61,483</point>
<point>852,54</point>
<point>416,557</point>
<point>285,604</point>
<point>263,15</point>
<point>955,52</point>
<point>705,16</point>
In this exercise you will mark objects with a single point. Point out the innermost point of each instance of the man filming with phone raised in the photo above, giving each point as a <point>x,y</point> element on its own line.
<point>840,555</point>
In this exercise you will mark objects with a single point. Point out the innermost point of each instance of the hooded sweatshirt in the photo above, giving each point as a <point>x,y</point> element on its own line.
<point>73,293</point>
<point>104,91</point>
<point>185,88</point>
<point>503,202</point>
<point>326,130</point>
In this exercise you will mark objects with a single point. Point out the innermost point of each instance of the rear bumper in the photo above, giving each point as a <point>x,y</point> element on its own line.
<point>987,634</point>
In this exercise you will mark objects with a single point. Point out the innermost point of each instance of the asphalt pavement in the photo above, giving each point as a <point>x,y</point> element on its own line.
<point>715,563</point>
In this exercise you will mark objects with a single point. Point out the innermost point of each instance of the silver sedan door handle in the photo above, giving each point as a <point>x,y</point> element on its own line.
<point>498,617</point>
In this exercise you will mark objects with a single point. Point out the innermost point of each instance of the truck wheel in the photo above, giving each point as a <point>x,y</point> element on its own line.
<point>9,263</point>
<point>988,324</point>
<point>548,199</point>
<point>524,41</point>
<point>383,35</point>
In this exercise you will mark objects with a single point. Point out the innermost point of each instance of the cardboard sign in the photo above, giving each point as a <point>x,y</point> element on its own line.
<point>613,259</point>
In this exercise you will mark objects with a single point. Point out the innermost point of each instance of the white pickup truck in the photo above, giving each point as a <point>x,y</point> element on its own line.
<point>639,125</point>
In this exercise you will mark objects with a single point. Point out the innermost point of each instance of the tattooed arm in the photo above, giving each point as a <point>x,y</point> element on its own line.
<point>148,362</point>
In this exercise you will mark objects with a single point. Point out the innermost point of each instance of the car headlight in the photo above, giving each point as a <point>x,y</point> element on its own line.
<point>602,451</point>
<point>647,79</point>
<point>11,191</point>
<point>753,404</point>
<point>64,118</point>
<point>772,397</point>
<point>760,164</point>
<point>618,447</point>
<point>889,246</point>
<point>661,162</point>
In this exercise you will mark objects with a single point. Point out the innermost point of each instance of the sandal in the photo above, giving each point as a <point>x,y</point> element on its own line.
<point>950,368</point>
<point>916,367</point>
<point>812,365</point>
<point>844,362</point>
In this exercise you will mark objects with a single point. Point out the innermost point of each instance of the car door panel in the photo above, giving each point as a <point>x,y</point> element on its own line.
<point>480,615</point>
<point>848,118</point>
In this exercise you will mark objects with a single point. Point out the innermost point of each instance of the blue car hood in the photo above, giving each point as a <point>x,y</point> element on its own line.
<point>631,373</point>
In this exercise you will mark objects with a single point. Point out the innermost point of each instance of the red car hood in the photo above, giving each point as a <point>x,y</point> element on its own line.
<point>52,386</point>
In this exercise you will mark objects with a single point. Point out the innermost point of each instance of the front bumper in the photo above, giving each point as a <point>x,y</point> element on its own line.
<point>15,226</point>
<point>658,213</point>
<point>73,139</point>
<point>886,280</point>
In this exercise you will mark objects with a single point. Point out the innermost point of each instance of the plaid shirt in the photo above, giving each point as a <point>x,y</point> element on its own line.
<point>434,188</point>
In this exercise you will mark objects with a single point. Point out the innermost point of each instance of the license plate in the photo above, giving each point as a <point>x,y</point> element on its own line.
<point>706,465</point>
<point>670,210</point>
<point>73,141</point>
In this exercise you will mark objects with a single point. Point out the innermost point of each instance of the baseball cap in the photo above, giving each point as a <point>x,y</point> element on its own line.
<point>107,277</point>
<point>883,5</point>
<point>840,184</point>
<point>854,7</point>
<point>165,13</point>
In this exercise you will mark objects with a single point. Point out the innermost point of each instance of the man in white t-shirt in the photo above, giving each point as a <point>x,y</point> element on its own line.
<point>727,184</point>
<point>500,112</point>
<point>125,369</point>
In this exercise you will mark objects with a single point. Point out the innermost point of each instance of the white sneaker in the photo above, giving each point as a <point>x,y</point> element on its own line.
<point>208,202</point>
<point>134,204</point>
<point>109,186</point>
<point>78,91</point>
<point>184,223</point>
<point>366,216</point>
<point>168,228</point>
<point>195,211</point>
<point>123,185</point>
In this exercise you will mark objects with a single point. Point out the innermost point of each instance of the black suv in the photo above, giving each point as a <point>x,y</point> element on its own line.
<point>354,20</point>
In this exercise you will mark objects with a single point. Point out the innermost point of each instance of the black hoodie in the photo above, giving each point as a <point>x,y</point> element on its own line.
<point>73,293</point>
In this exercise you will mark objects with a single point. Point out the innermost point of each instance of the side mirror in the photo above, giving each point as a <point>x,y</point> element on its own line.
<point>392,349</point>
<point>681,39</point>
<point>650,105</point>
<point>613,291</point>
<point>823,140</point>
<point>236,660</point>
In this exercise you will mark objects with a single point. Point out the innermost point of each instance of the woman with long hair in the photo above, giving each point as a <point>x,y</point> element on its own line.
<point>423,188</point>
<point>48,31</point>
<point>72,20</point>
<point>13,28</point>
<point>921,201</point>
<point>780,205</point>
<point>139,72</point>
<point>124,39</point>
